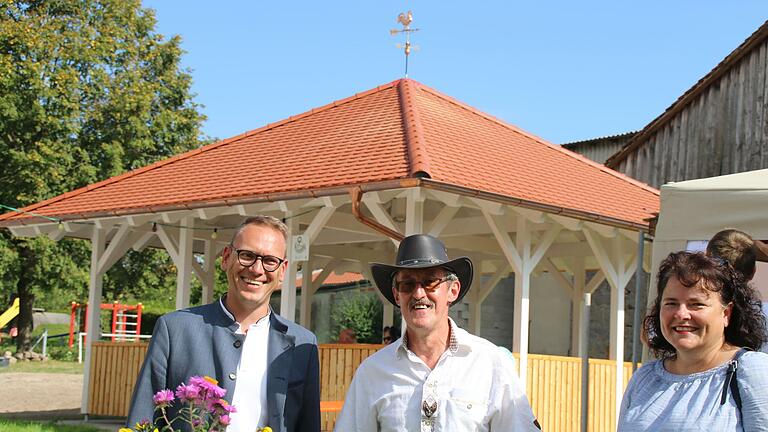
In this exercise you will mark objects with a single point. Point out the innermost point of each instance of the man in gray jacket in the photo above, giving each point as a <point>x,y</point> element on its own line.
<point>268,365</point>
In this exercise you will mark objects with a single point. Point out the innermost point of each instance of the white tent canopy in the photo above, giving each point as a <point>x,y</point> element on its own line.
<point>695,210</point>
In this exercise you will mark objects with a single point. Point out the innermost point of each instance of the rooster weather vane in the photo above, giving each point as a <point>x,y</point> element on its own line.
<point>405,19</point>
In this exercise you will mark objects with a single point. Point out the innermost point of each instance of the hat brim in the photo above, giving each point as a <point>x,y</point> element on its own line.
<point>383,274</point>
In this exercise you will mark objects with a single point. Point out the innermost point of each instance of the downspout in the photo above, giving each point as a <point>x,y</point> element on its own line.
<point>356,195</point>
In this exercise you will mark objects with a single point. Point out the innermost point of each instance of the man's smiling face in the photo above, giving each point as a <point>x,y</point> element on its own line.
<point>250,288</point>
<point>424,296</point>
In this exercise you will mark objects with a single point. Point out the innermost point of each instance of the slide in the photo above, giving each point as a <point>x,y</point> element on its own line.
<point>10,314</point>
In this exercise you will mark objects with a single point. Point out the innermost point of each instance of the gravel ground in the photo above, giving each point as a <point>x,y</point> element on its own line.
<point>40,395</point>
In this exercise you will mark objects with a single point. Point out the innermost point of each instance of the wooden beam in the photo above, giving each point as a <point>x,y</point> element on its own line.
<point>506,244</point>
<point>569,223</point>
<point>442,219</point>
<point>557,275</point>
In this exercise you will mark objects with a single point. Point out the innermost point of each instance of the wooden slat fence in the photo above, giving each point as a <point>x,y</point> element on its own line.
<point>554,383</point>
<point>114,369</point>
<point>338,363</point>
<point>554,390</point>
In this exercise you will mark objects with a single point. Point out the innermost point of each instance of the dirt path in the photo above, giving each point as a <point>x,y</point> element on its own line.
<point>40,395</point>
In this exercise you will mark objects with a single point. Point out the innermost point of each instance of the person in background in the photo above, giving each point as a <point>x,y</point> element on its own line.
<point>703,326</point>
<point>742,252</point>
<point>347,336</point>
<point>268,365</point>
<point>739,249</point>
<point>436,377</point>
<point>389,335</point>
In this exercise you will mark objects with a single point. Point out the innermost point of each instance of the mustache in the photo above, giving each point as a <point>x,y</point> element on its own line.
<point>420,302</point>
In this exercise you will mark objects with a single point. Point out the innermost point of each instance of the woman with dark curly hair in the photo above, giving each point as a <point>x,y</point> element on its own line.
<point>704,324</point>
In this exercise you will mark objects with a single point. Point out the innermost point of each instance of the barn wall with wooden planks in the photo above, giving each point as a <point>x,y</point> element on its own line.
<point>719,126</point>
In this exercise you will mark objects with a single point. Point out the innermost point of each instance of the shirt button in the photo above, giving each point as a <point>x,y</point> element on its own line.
<point>232,376</point>
<point>238,343</point>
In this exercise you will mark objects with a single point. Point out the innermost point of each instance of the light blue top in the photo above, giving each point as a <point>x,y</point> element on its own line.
<point>657,400</point>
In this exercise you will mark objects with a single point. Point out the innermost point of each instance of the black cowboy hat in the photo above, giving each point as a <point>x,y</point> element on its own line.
<point>417,252</point>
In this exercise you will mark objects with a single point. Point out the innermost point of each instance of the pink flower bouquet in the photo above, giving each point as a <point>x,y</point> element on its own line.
<point>204,409</point>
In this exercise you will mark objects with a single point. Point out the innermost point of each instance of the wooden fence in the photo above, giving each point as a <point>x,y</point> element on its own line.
<point>338,363</point>
<point>554,384</point>
<point>114,369</point>
<point>554,390</point>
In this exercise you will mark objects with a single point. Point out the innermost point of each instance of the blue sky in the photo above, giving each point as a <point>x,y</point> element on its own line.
<point>562,70</point>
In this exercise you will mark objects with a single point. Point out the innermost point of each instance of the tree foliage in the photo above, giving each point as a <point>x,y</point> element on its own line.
<point>362,312</point>
<point>88,90</point>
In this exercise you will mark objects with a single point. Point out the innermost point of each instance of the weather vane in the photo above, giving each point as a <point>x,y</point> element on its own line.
<point>405,19</point>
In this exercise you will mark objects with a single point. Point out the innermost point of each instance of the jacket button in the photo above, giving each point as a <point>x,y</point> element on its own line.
<point>238,343</point>
<point>232,376</point>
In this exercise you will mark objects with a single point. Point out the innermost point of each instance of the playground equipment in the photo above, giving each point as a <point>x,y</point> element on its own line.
<point>10,314</point>
<point>126,320</point>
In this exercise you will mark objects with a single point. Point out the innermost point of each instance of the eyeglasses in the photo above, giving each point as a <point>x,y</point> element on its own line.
<point>248,258</point>
<point>430,285</point>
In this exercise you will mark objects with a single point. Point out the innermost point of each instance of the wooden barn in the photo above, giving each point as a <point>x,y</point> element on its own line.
<point>719,126</point>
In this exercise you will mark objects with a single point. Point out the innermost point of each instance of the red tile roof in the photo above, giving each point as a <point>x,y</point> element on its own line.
<point>347,278</point>
<point>402,130</point>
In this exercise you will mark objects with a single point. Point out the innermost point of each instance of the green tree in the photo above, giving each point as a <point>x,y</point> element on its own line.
<point>362,312</point>
<point>88,90</point>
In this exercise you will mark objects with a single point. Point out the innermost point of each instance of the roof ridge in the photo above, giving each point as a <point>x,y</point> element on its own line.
<point>735,56</point>
<point>190,153</point>
<point>540,140</point>
<point>414,130</point>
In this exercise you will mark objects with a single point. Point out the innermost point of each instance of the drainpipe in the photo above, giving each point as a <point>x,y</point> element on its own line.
<point>356,194</point>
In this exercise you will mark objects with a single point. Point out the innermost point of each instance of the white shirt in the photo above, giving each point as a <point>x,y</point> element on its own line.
<point>250,396</point>
<point>473,386</point>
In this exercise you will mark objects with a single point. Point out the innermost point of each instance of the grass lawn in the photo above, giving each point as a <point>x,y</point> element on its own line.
<point>32,426</point>
<point>50,366</point>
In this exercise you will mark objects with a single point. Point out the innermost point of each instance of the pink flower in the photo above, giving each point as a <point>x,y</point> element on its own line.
<point>163,398</point>
<point>188,393</point>
<point>225,420</point>
<point>220,406</point>
<point>208,387</point>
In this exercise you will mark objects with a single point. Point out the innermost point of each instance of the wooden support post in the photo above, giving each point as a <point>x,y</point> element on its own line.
<point>208,281</point>
<point>184,266</point>
<point>288,292</point>
<point>307,292</point>
<point>93,327</point>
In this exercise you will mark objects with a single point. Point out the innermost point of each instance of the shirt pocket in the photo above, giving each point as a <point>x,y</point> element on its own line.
<point>467,409</point>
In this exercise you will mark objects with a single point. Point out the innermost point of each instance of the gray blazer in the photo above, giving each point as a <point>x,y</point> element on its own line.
<point>202,341</point>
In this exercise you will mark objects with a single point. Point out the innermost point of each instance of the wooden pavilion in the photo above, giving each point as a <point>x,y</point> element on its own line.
<point>354,176</point>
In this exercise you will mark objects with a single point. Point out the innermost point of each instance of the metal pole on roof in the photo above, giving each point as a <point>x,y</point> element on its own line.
<point>405,19</point>
<point>638,308</point>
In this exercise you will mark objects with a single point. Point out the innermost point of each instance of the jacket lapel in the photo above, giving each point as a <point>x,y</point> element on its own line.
<point>279,360</point>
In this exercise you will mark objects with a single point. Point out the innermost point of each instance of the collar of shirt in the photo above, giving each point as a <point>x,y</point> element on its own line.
<point>455,340</point>
<point>261,322</point>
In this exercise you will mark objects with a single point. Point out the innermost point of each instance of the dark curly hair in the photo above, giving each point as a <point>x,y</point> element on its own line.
<point>746,326</point>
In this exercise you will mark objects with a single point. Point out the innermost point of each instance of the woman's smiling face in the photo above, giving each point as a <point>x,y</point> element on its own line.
<point>693,319</point>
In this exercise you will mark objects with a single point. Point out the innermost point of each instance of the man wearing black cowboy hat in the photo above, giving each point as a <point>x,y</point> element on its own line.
<point>437,377</point>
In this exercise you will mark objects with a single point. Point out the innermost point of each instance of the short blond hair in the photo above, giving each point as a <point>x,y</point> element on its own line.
<point>266,221</point>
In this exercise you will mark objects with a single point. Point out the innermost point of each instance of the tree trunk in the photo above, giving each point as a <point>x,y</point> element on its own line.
<point>26,297</point>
